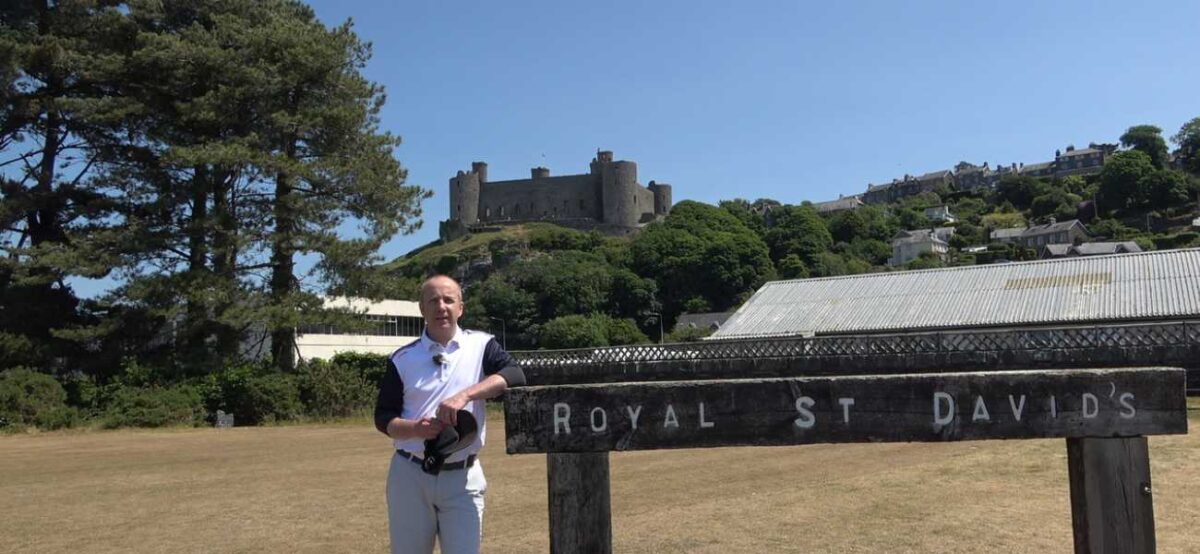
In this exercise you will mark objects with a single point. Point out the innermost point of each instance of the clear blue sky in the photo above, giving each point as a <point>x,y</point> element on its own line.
<point>786,100</point>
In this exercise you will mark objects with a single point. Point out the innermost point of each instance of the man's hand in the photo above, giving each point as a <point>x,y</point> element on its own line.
<point>428,427</point>
<point>447,411</point>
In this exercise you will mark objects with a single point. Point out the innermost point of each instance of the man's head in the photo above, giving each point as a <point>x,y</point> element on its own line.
<point>441,306</point>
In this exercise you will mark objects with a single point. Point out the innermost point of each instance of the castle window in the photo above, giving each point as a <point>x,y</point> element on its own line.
<point>516,210</point>
<point>487,212</point>
<point>501,211</point>
<point>582,204</point>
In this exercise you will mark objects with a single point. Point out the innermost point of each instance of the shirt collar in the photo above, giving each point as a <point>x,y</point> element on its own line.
<point>431,344</point>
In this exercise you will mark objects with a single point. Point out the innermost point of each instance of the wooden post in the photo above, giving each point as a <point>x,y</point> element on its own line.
<point>580,508</point>
<point>1111,505</point>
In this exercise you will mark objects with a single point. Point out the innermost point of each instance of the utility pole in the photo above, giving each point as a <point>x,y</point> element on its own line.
<point>660,325</point>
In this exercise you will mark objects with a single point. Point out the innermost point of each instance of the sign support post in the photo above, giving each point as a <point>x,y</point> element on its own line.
<point>580,508</point>
<point>1112,508</point>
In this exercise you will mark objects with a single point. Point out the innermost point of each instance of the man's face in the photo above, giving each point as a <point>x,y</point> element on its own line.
<point>441,306</point>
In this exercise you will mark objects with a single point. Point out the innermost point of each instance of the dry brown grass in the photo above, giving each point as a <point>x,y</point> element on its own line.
<point>320,489</point>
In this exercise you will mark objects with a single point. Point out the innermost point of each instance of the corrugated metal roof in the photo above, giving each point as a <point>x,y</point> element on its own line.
<point>1146,285</point>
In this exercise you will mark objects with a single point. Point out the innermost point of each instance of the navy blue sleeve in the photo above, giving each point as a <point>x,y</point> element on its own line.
<point>498,362</point>
<point>390,402</point>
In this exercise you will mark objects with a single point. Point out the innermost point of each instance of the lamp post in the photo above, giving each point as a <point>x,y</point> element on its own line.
<point>660,325</point>
<point>503,332</point>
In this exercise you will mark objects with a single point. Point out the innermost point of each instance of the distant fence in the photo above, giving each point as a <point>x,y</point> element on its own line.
<point>1175,344</point>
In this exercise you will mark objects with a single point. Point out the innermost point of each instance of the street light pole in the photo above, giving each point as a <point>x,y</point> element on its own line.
<point>503,332</point>
<point>660,325</point>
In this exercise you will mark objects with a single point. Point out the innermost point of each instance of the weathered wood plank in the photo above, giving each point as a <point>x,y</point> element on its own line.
<point>580,517</point>
<point>894,408</point>
<point>1112,510</point>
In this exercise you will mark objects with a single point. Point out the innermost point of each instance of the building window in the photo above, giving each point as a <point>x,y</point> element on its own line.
<point>487,212</point>
<point>516,210</point>
<point>582,204</point>
<point>501,211</point>
<point>372,325</point>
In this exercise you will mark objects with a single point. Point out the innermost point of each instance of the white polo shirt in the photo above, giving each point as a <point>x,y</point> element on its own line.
<point>427,383</point>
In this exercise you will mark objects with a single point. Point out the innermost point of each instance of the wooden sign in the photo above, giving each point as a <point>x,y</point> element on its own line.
<point>891,408</point>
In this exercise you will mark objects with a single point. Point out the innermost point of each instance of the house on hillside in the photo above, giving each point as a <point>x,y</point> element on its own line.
<point>1010,235</point>
<point>1087,249</point>
<point>842,204</point>
<point>940,214</point>
<point>968,176</point>
<point>909,245</point>
<point>1078,162</point>
<point>710,321</point>
<point>1054,232</point>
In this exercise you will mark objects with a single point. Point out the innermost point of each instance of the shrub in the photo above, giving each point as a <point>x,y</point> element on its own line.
<point>335,388</point>
<point>31,398</point>
<point>154,407</point>
<point>370,366</point>
<point>254,394</point>
<point>578,331</point>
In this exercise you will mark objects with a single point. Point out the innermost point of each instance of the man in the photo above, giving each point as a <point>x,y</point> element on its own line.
<point>428,381</point>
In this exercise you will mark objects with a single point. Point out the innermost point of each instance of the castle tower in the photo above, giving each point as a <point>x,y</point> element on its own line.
<point>662,197</point>
<point>464,194</point>
<point>618,187</point>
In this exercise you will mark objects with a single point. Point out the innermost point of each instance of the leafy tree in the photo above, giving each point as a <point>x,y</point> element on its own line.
<point>797,230</point>
<point>573,331</point>
<point>828,264</point>
<point>927,260</point>
<point>1020,190</point>
<point>792,267</point>
<point>1165,188</point>
<point>871,251</point>
<point>701,251</point>
<point>1056,202</point>
<point>1111,229</point>
<point>579,331</point>
<point>745,212</point>
<point>624,331</point>
<point>908,218</point>
<point>1003,220</point>
<point>255,151</point>
<point>1188,140</point>
<point>1148,140</point>
<point>969,209</point>
<point>1121,180</point>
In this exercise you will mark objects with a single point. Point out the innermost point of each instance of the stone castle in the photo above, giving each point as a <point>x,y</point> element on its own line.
<point>608,198</point>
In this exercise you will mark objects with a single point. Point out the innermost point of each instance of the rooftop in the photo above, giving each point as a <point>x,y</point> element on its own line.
<point>1161,285</point>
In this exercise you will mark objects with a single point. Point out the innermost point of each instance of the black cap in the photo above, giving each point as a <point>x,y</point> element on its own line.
<point>449,441</point>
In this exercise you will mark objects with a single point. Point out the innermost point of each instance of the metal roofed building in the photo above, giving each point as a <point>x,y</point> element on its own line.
<point>1147,286</point>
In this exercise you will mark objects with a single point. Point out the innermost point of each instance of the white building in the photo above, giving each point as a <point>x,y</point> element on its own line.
<point>909,245</point>
<point>394,323</point>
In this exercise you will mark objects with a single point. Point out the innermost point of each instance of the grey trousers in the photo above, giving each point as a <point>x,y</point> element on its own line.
<point>448,505</point>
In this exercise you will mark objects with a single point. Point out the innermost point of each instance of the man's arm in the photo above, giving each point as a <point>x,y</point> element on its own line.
<point>502,372</point>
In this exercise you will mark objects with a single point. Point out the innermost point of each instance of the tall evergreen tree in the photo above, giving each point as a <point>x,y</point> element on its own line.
<point>59,121</point>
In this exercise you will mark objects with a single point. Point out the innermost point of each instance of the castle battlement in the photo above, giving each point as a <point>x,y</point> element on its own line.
<point>609,195</point>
